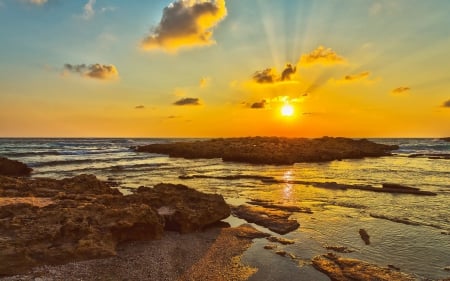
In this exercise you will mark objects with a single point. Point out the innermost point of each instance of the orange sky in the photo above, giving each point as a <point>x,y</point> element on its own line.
<point>224,68</point>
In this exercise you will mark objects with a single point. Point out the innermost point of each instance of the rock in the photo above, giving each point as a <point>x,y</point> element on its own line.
<point>275,220</point>
<point>86,219</point>
<point>339,249</point>
<point>364,236</point>
<point>344,269</point>
<point>446,139</point>
<point>281,253</point>
<point>184,209</point>
<point>280,206</point>
<point>270,247</point>
<point>272,150</point>
<point>398,186</point>
<point>447,268</point>
<point>13,168</point>
<point>280,240</point>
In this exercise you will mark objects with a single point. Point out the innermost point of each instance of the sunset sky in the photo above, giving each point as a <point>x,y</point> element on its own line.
<point>114,68</point>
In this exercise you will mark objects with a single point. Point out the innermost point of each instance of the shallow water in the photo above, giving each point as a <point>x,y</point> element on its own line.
<point>422,249</point>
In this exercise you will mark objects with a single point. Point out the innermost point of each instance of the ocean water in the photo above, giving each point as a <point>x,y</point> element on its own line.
<point>408,231</point>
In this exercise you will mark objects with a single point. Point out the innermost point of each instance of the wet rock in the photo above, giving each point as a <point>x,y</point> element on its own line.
<point>344,269</point>
<point>281,253</point>
<point>280,240</point>
<point>280,206</point>
<point>10,167</point>
<point>184,209</point>
<point>364,236</point>
<point>270,247</point>
<point>275,220</point>
<point>393,219</point>
<point>272,150</point>
<point>339,249</point>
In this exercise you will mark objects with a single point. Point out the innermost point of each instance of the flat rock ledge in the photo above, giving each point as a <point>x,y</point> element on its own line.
<point>276,220</point>
<point>345,269</point>
<point>48,221</point>
<point>272,150</point>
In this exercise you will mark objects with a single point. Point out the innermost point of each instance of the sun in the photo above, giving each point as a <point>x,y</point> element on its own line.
<point>287,110</point>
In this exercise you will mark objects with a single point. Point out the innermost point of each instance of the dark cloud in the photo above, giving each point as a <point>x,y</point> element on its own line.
<point>269,75</point>
<point>287,72</point>
<point>446,104</point>
<point>259,105</point>
<point>359,76</point>
<point>186,23</point>
<point>187,101</point>
<point>400,90</point>
<point>97,71</point>
<point>139,107</point>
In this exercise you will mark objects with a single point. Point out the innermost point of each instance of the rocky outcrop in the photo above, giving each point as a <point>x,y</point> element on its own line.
<point>184,209</point>
<point>84,218</point>
<point>10,167</point>
<point>272,150</point>
<point>386,187</point>
<point>276,220</point>
<point>344,269</point>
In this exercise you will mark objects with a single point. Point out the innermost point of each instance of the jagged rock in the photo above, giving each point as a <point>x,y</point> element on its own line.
<point>272,150</point>
<point>10,167</point>
<point>59,233</point>
<point>184,209</point>
<point>86,219</point>
<point>344,269</point>
<point>275,220</point>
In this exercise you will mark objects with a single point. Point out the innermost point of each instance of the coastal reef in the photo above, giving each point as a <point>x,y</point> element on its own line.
<point>272,150</point>
<point>49,221</point>
<point>345,269</point>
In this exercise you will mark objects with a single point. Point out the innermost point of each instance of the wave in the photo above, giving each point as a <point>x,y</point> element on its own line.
<point>30,153</point>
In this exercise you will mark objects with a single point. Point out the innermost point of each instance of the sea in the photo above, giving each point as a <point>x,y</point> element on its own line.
<point>408,232</point>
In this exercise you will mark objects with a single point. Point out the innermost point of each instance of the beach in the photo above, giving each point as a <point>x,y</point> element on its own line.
<point>324,198</point>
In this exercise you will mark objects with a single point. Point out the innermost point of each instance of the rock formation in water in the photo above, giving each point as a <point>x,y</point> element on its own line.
<point>344,269</point>
<point>10,167</point>
<point>47,221</point>
<point>276,220</point>
<point>272,150</point>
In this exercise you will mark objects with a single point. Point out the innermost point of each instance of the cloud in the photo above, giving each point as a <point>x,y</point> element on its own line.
<point>36,2</point>
<point>446,104</point>
<point>258,105</point>
<point>204,82</point>
<point>187,101</point>
<point>88,10</point>
<point>359,76</point>
<point>97,71</point>
<point>139,107</point>
<point>321,55</point>
<point>400,90</point>
<point>269,75</point>
<point>186,23</point>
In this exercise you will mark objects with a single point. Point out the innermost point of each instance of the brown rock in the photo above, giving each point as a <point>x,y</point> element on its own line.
<point>13,168</point>
<point>275,220</point>
<point>272,150</point>
<point>86,219</point>
<point>280,240</point>
<point>343,269</point>
<point>184,209</point>
<point>364,236</point>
